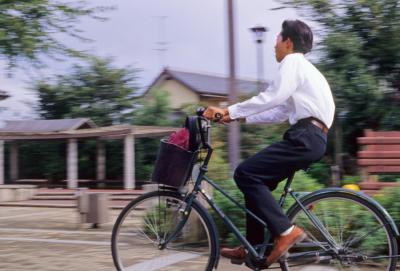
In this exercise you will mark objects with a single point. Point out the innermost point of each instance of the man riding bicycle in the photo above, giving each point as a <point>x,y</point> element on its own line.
<point>301,95</point>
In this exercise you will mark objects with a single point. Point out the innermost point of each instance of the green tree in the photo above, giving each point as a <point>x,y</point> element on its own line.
<point>42,160</point>
<point>375,22</point>
<point>389,198</point>
<point>98,91</point>
<point>356,88</point>
<point>154,111</point>
<point>31,29</point>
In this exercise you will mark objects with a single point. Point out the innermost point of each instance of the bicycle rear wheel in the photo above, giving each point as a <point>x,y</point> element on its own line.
<point>145,223</point>
<point>362,235</point>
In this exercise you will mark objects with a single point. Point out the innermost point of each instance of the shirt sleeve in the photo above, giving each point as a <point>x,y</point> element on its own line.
<point>286,83</point>
<point>278,114</point>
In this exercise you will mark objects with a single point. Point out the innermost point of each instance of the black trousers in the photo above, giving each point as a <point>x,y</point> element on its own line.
<point>303,144</point>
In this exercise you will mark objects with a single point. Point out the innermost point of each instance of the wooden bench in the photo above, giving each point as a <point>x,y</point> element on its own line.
<point>380,155</point>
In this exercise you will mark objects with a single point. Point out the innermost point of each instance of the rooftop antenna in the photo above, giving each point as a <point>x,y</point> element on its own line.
<point>161,43</point>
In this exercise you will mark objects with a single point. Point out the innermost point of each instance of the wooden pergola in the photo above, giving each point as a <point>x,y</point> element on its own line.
<point>81,129</point>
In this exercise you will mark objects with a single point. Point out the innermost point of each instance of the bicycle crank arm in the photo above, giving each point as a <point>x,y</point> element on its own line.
<point>316,257</point>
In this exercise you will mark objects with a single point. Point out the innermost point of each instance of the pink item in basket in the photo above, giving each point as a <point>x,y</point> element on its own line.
<point>180,138</point>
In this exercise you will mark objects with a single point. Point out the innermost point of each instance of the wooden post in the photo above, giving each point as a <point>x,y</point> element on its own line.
<point>1,162</point>
<point>14,161</point>
<point>101,161</point>
<point>72,163</point>
<point>129,162</point>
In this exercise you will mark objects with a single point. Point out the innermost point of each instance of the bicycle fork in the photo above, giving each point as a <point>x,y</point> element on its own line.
<point>185,213</point>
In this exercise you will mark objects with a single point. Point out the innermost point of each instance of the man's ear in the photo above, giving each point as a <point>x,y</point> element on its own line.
<point>289,44</point>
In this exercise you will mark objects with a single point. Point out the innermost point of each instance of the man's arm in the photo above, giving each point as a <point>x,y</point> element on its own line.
<point>278,114</point>
<point>287,81</point>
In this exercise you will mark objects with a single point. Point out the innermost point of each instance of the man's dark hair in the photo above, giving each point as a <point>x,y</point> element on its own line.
<point>299,33</point>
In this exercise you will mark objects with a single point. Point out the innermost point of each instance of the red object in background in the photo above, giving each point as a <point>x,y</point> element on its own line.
<point>180,138</point>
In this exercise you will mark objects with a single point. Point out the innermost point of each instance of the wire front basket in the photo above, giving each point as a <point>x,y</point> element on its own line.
<point>174,165</point>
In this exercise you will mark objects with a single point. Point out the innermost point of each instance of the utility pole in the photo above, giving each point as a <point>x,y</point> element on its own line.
<point>234,129</point>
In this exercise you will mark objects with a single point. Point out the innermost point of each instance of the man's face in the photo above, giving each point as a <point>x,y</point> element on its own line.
<point>282,48</point>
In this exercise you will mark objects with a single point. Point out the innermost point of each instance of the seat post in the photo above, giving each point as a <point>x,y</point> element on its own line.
<point>289,182</point>
<point>286,189</point>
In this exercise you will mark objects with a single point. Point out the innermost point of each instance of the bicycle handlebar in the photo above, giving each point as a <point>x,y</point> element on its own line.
<point>200,111</point>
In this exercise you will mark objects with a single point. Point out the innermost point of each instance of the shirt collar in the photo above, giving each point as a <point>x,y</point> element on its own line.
<point>292,54</point>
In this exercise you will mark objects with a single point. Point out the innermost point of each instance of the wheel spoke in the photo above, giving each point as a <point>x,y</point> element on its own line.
<point>318,243</point>
<point>356,230</point>
<point>323,228</point>
<point>146,229</point>
<point>360,239</point>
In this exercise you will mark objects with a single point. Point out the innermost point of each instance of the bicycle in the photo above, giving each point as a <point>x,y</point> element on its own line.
<point>170,229</point>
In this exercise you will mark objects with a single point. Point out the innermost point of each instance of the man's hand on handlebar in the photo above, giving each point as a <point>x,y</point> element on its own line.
<point>217,114</point>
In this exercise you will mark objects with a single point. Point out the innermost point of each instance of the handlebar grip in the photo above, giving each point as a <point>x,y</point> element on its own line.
<point>200,111</point>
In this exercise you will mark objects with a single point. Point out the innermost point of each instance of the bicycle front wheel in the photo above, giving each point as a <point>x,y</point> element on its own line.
<point>144,225</point>
<point>362,237</point>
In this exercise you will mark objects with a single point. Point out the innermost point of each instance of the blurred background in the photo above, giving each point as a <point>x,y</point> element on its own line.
<point>151,63</point>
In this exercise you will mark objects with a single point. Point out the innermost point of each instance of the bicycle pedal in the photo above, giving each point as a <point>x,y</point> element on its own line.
<point>255,268</point>
<point>237,261</point>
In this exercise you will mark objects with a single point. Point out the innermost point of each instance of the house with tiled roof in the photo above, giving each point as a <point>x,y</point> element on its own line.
<point>186,87</point>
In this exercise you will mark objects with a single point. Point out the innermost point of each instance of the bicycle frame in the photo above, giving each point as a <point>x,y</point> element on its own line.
<point>197,189</point>
<point>258,256</point>
<point>250,248</point>
<point>177,219</point>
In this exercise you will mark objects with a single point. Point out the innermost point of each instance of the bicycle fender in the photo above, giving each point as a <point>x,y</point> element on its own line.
<point>363,196</point>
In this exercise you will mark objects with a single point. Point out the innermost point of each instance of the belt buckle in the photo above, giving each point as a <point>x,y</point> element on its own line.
<point>320,125</point>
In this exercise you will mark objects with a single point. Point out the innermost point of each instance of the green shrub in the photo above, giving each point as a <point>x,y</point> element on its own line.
<point>301,183</point>
<point>235,214</point>
<point>218,168</point>
<point>389,177</point>
<point>348,179</point>
<point>390,200</point>
<point>320,171</point>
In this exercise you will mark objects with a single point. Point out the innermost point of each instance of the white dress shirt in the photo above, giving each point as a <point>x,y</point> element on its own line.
<point>299,91</point>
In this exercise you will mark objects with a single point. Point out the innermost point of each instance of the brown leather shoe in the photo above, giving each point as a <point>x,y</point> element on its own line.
<point>284,243</point>
<point>237,253</point>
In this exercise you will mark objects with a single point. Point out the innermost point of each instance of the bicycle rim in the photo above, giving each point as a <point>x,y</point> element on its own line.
<point>147,222</point>
<point>362,237</point>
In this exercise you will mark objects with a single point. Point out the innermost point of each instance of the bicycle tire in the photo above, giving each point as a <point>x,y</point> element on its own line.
<point>178,255</point>
<point>375,235</point>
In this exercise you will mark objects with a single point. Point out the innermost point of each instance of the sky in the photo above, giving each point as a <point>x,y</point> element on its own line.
<point>195,33</point>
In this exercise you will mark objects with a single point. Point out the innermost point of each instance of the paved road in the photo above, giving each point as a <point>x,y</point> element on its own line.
<point>51,239</point>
